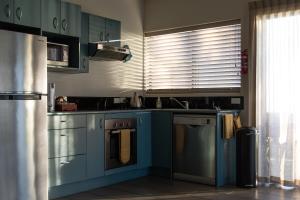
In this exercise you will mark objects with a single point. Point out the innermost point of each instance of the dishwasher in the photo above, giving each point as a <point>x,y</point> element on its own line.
<point>194,149</point>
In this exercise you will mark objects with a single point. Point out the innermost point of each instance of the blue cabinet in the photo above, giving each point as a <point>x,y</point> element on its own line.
<point>95,145</point>
<point>27,13</point>
<point>103,29</point>
<point>70,19</point>
<point>51,16</point>
<point>144,155</point>
<point>6,10</point>
<point>113,32</point>
<point>61,17</point>
<point>23,12</point>
<point>96,28</point>
<point>162,123</point>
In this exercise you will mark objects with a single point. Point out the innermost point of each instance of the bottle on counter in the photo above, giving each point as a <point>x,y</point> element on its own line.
<point>158,103</point>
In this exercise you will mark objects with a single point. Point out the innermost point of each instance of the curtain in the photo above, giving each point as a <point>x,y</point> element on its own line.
<point>275,59</point>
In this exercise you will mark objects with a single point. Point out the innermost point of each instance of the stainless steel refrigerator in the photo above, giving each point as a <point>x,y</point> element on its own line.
<point>23,117</point>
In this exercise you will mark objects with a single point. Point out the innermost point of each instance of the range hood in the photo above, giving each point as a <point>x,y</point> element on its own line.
<point>104,52</point>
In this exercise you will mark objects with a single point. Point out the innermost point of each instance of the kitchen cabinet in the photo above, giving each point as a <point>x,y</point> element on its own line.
<point>113,32</point>
<point>70,19</point>
<point>84,42</point>
<point>67,148</point>
<point>61,18</point>
<point>23,12</point>
<point>27,13</point>
<point>65,170</point>
<point>162,139</point>
<point>95,145</point>
<point>6,10</point>
<point>144,140</point>
<point>104,29</point>
<point>96,28</point>
<point>51,16</point>
<point>66,142</point>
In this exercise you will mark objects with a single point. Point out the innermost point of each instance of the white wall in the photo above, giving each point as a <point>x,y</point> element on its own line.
<point>167,14</point>
<point>109,78</point>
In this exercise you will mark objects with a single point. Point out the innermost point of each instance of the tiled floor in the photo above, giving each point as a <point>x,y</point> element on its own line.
<point>149,188</point>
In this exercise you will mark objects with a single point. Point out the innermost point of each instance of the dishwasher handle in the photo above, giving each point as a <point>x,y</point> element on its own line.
<point>195,121</point>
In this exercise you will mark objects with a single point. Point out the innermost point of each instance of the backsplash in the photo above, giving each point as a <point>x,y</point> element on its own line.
<point>121,103</point>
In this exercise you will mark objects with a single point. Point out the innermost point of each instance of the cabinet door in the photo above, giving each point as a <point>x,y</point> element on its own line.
<point>84,42</point>
<point>6,12</point>
<point>113,32</point>
<point>70,19</point>
<point>66,170</point>
<point>66,142</point>
<point>95,145</point>
<point>162,139</point>
<point>96,28</point>
<point>51,16</point>
<point>144,140</point>
<point>27,12</point>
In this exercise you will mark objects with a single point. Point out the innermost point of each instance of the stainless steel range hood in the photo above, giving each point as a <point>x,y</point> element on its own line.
<point>104,52</point>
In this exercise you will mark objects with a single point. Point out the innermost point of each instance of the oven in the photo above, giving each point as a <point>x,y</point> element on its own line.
<point>115,130</point>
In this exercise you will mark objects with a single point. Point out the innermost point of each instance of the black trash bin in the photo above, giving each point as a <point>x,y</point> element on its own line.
<point>246,157</point>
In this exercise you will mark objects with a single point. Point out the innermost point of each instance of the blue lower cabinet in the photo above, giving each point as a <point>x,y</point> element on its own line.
<point>95,145</point>
<point>66,170</point>
<point>162,139</point>
<point>144,155</point>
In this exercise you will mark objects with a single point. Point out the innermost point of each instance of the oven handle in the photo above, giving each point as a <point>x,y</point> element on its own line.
<point>119,131</point>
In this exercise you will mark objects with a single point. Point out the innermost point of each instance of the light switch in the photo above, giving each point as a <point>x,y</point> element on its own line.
<point>235,100</point>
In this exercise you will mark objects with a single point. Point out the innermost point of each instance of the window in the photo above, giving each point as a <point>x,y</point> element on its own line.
<point>202,59</point>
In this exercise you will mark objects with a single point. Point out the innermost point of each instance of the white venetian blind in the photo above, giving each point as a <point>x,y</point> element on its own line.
<point>199,59</point>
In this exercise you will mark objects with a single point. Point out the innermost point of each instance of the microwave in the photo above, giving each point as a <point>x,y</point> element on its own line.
<point>57,54</point>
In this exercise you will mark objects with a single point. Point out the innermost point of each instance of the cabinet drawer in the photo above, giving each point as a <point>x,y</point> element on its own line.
<point>66,170</point>
<point>66,121</point>
<point>67,142</point>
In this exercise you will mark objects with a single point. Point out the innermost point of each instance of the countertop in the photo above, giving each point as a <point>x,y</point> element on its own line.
<point>208,111</point>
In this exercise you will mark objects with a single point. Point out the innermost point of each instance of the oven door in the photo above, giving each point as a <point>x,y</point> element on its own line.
<point>113,149</point>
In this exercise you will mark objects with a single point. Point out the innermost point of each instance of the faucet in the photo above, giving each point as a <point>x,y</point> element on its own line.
<point>185,105</point>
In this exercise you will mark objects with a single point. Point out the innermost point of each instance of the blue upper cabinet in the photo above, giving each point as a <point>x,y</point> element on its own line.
<point>95,145</point>
<point>61,17</point>
<point>51,16</point>
<point>102,29</point>
<point>96,28</point>
<point>113,32</point>
<point>70,19</point>
<point>6,11</point>
<point>23,12</point>
<point>144,140</point>
<point>27,13</point>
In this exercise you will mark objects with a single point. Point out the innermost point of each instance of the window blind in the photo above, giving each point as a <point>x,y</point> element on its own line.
<point>199,59</point>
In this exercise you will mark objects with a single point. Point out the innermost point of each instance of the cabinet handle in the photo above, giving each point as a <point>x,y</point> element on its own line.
<point>64,24</point>
<point>100,123</point>
<point>64,162</point>
<point>141,121</point>
<point>55,22</point>
<point>63,135</point>
<point>63,121</point>
<point>107,37</point>
<point>7,11</point>
<point>101,36</point>
<point>19,13</point>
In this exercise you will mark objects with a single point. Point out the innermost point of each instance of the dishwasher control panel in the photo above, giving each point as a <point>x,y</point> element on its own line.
<point>195,119</point>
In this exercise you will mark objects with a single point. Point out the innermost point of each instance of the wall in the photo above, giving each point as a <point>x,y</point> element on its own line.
<point>109,78</point>
<point>167,14</point>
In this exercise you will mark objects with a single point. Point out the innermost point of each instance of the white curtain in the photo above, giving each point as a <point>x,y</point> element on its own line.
<point>278,95</point>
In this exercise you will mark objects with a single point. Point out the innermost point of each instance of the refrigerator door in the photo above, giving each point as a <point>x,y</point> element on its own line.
<point>23,63</point>
<point>23,147</point>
